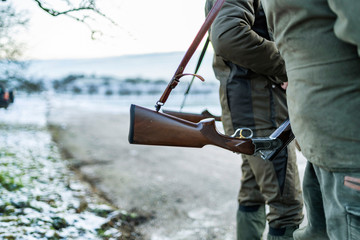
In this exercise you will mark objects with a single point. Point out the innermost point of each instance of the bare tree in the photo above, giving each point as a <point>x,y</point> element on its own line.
<point>84,11</point>
<point>11,21</point>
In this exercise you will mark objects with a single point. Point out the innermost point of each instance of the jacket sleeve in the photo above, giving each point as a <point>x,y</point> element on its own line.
<point>233,39</point>
<point>347,22</point>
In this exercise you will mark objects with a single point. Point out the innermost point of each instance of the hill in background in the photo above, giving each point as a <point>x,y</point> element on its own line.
<point>148,66</point>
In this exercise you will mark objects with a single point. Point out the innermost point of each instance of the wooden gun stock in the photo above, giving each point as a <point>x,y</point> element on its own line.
<point>154,128</point>
<point>150,127</point>
<point>192,117</point>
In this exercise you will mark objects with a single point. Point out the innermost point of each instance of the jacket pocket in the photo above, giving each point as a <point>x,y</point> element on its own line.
<point>353,218</point>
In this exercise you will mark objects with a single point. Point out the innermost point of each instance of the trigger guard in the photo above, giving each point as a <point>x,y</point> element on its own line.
<point>239,133</point>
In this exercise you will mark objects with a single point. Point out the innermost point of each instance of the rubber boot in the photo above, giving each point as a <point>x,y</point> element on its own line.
<point>251,222</point>
<point>281,233</point>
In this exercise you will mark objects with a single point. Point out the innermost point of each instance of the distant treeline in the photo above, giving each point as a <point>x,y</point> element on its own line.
<point>24,85</point>
<point>93,84</point>
<point>102,85</point>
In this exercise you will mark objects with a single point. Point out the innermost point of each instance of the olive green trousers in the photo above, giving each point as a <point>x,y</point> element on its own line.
<point>332,201</point>
<point>262,184</point>
<point>255,102</point>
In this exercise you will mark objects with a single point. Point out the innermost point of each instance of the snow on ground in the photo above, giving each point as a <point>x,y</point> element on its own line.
<point>40,198</point>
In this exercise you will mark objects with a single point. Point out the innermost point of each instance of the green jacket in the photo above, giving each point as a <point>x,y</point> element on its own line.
<point>249,94</point>
<point>234,39</point>
<point>320,42</point>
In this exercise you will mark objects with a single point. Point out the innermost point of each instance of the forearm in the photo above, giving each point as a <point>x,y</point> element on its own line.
<point>233,39</point>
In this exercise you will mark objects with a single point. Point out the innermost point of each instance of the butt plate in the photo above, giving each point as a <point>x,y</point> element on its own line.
<point>132,121</point>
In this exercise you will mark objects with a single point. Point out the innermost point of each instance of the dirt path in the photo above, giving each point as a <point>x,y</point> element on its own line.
<point>191,193</point>
<point>187,193</point>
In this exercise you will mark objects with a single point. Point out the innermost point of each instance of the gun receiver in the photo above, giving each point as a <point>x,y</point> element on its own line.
<point>150,127</point>
<point>192,117</point>
<point>284,134</point>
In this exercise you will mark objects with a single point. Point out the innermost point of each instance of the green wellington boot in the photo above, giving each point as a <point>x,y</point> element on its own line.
<point>282,234</point>
<point>251,222</point>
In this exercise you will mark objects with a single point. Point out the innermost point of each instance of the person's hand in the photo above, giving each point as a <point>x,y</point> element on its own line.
<point>284,85</point>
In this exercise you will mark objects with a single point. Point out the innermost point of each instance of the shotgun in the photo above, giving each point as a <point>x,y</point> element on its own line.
<point>192,117</point>
<point>150,127</point>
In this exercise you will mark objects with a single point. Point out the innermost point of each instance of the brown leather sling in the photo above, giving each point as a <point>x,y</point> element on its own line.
<point>180,70</point>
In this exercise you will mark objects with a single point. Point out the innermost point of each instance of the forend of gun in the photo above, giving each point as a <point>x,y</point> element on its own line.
<point>192,117</point>
<point>150,127</point>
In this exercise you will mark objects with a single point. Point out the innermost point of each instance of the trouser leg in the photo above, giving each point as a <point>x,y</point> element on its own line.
<point>285,202</point>
<point>286,207</point>
<point>251,217</point>
<point>341,200</point>
<point>316,226</point>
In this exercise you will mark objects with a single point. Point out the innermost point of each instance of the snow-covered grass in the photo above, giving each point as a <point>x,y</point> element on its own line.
<point>40,198</point>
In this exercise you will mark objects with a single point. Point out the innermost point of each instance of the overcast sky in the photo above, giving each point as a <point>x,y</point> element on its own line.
<point>144,27</point>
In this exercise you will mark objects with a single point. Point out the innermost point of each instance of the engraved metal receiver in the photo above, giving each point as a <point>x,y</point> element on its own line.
<point>266,147</point>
